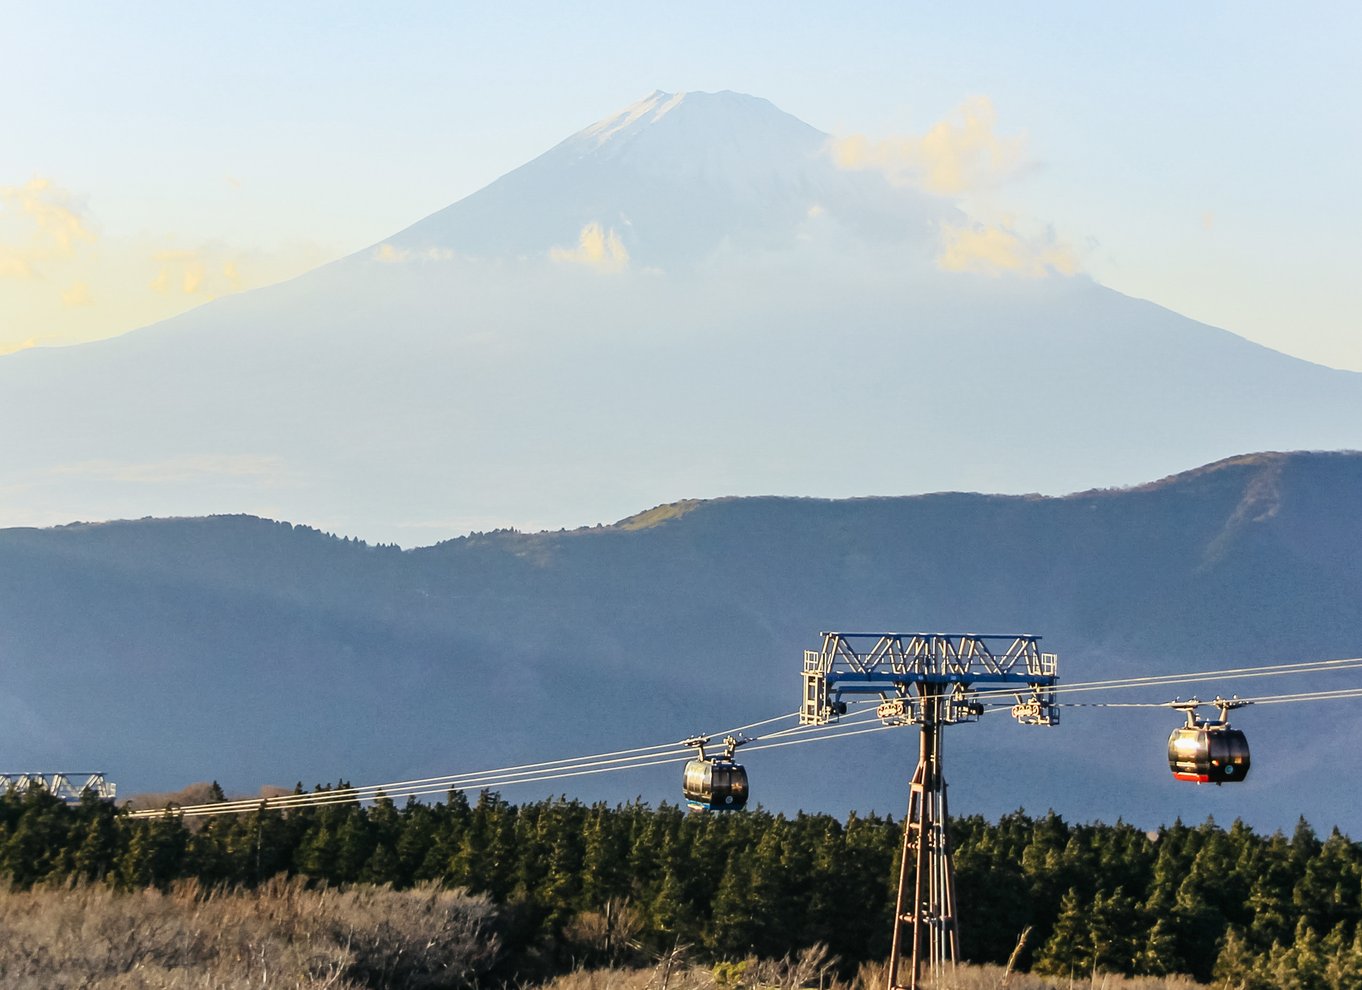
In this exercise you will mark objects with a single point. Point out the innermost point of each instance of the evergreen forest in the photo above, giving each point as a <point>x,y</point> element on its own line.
<point>576,885</point>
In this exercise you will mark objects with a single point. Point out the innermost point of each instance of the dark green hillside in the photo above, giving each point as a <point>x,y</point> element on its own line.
<point>170,650</point>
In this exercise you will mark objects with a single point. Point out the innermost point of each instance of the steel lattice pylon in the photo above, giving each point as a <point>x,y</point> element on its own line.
<point>925,909</point>
<point>927,679</point>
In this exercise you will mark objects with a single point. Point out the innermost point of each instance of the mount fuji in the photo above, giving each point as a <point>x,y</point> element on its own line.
<point>686,300</point>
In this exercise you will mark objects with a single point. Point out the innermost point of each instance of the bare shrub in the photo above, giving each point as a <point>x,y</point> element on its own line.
<point>425,937</point>
<point>809,967</point>
<point>610,934</point>
<point>990,977</point>
<point>669,972</point>
<point>812,968</point>
<point>203,792</point>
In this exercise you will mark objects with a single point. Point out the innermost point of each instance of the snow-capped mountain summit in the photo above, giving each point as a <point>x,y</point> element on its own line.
<point>664,126</point>
<point>672,178</point>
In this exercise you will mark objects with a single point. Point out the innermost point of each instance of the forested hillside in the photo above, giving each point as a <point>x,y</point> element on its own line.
<point>256,652</point>
<point>595,884</point>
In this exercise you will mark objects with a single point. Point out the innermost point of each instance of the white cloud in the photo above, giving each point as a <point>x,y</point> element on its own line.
<point>596,248</point>
<point>997,249</point>
<point>954,157</point>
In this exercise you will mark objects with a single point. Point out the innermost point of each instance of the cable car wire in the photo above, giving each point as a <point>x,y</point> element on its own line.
<point>657,755</point>
<point>374,792</point>
<point>523,773</point>
<point>1339,694</point>
<point>1156,680</point>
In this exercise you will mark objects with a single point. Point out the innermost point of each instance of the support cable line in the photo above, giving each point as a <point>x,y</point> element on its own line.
<point>354,795</point>
<point>553,770</point>
<point>426,788</point>
<point>1232,673</point>
<point>468,781</point>
<point>1340,694</point>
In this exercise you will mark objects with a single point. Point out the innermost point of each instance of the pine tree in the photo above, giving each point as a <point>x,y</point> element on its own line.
<point>1238,966</point>
<point>414,843</point>
<point>604,859</point>
<point>1069,949</point>
<point>37,838</point>
<point>97,854</point>
<point>1327,892</point>
<point>1160,954</point>
<point>381,867</point>
<point>317,854</point>
<point>155,853</point>
<point>1301,965</point>
<point>354,845</point>
<point>1112,929</point>
<point>1343,971</point>
<point>730,934</point>
<point>1270,892</point>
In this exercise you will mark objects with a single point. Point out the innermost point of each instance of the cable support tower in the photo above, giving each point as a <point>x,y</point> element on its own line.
<point>927,679</point>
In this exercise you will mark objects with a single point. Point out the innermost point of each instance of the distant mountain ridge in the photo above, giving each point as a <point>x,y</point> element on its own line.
<point>249,651</point>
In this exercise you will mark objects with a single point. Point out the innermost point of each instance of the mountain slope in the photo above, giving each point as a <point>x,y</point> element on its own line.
<point>251,652</point>
<point>686,300</point>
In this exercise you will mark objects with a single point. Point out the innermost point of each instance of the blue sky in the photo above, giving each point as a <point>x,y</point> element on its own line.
<point>155,154</point>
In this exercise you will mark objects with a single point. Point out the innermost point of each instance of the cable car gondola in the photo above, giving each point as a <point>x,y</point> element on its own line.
<point>1205,752</point>
<point>715,783</point>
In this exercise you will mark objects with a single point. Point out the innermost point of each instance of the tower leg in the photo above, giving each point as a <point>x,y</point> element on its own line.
<point>925,926</point>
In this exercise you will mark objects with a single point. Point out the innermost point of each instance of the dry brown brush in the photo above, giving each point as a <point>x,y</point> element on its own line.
<point>814,969</point>
<point>282,934</point>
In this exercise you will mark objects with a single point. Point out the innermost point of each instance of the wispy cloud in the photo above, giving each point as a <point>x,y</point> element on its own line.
<point>206,272</point>
<point>998,249</point>
<point>39,222</point>
<point>955,156</point>
<point>596,248</point>
<point>390,254</point>
<point>254,467</point>
<point>61,283</point>
<point>77,295</point>
<point>14,346</point>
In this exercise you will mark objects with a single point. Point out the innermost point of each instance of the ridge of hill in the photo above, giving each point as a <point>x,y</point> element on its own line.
<point>254,652</point>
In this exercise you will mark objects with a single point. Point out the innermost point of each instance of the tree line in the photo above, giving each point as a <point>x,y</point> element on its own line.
<point>578,884</point>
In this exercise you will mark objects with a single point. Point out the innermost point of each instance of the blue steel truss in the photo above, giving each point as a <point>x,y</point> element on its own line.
<point>68,786</point>
<point>904,668</point>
